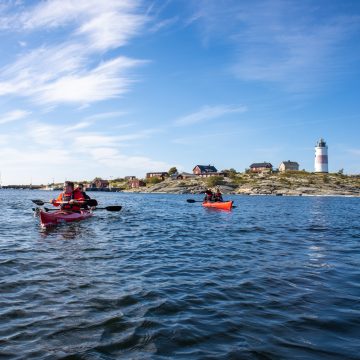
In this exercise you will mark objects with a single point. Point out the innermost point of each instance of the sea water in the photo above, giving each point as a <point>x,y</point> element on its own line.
<point>275,278</point>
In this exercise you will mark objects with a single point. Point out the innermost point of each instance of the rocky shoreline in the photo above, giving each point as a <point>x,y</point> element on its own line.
<point>291,184</point>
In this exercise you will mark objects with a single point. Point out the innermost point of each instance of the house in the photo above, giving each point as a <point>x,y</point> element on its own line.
<point>127,178</point>
<point>159,175</point>
<point>289,166</point>
<point>261,167</point>
<point>136,183</point>
<point>99,184</point>
<point>185,175</point>
<point>206,171</point>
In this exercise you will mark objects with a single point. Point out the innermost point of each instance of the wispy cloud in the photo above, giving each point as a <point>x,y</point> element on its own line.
<point>164,24</point>
<point>279,41</point>
<point>107,24</point>
<point>72,69</point>
<point>88,151</point>
<point>113,157</point>
<point>107,81</point>
<point>106,115</point>
<point>355,152</point>
<point>13,116</point>
<point>207,113</point>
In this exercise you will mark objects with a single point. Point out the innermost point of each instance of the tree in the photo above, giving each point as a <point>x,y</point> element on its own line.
<point>172,171</point>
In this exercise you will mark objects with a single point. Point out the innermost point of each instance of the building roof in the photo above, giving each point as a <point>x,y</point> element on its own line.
<point>158,173</point>
<point>290,163</point>
<point>206,168</point>
<point>101,181</point>
<point>261,165</point>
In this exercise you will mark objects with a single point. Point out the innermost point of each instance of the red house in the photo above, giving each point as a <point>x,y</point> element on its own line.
<point>261,167</point>
<point>136,183</point>
<point>99,184</point>
<point>160,175</point>
<point>206,171</point>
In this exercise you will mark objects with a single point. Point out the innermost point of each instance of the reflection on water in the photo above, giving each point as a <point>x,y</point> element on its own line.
<point>276,278</point>
<point>67,231</point>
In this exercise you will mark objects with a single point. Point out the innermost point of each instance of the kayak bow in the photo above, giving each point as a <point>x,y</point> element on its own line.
<point>61,216</point>
<point>223,205</point>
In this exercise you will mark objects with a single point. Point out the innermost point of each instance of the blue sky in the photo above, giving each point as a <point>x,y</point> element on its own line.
<point>114,88</point>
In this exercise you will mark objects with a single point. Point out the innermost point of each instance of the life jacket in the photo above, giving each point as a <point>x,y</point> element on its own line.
<point>67,197</point>
<point>74,195</point>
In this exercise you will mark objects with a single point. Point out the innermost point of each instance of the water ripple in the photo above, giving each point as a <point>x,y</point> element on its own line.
<point>276,278</point>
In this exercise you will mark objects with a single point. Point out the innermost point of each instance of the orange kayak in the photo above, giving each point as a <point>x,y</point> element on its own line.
<point>223,205</point>
<point>48,219</point>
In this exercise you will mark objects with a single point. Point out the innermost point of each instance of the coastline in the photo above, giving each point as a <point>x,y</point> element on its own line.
<point>280,184</point>
<point>293,183</point>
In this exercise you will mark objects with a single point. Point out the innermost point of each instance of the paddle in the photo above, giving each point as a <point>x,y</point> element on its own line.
<point>40,202</point>
<point>107,208</point>
<point>110,208</point>
<point>90,202</point>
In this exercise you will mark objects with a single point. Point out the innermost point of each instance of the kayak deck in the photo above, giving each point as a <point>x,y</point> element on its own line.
<point>223,205</point>
<point>48,219</point>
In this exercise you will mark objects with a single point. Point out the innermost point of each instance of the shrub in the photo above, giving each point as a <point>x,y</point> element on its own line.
<point>214,181</point>
<point>230,173</point>
<point>153,180</point>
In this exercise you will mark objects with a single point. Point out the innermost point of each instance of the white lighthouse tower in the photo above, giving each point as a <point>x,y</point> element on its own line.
<point>321,157</point>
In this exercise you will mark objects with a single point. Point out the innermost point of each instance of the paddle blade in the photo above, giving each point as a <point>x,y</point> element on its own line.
<point>91,202</point>
<point>38,202</point>
<point>113,208</point>
<point>191,201</point>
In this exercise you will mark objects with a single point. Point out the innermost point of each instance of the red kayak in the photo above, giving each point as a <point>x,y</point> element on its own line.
<point>54,218</point>
<point>223,205</point>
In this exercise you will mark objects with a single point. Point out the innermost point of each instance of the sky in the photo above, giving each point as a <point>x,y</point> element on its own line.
<point>115,88</point>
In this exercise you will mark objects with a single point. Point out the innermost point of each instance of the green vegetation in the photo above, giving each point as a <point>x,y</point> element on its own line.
<point>172,171</point>
<point>239,180</point>
<point>287,183</point>
<point>214,181</point>
<point>153,180</point>
<point>230,173</point>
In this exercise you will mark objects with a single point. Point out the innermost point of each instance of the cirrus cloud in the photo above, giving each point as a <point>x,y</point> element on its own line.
<point>208,113</point>
<point>74,68</point>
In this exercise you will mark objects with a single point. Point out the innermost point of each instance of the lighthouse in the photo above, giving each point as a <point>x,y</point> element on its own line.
<point>321,157</point>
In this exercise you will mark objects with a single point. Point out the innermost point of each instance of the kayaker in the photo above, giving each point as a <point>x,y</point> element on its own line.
<point>218,195</point>
<point>209,196</point>
<point>84,194</point>
<point>69,199</point>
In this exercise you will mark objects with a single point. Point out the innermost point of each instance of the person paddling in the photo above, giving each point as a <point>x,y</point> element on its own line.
<point>84,194</point>
<point>209,196</point>
<point>218,196</point>
<point>69,199</point>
